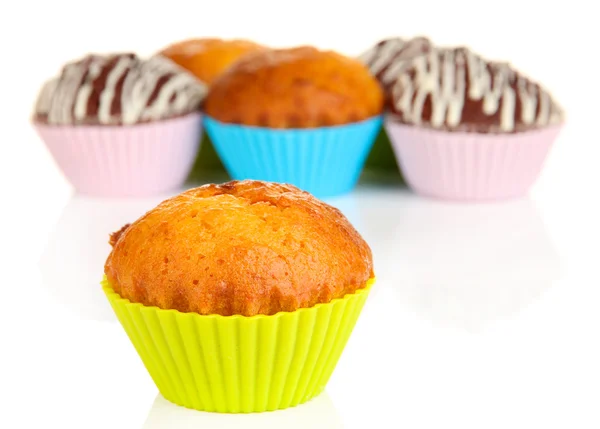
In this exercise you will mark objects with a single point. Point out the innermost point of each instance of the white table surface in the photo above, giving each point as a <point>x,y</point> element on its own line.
<point>484,316</point>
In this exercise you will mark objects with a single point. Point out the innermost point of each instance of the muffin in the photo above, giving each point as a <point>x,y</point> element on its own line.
<point>239,297</point>
<point>207,59</point>
<point>385,60</point>
<point>466,128</point>
<point>119,125</point>
<point>299,116</point>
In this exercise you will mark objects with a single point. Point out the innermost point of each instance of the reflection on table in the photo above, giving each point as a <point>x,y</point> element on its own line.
<point>318,413</point>
<point>72,264</point>
<point>467,265</point>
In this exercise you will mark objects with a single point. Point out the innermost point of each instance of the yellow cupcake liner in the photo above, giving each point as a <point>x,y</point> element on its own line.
<point>238,364</point>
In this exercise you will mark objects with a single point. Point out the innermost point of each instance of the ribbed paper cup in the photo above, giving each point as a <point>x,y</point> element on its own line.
<point>324,161</point>
<point>470,166</point>
<point>239,364</point>
<point>125,161</point>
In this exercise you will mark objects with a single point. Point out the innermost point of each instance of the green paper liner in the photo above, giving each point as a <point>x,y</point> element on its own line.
<point>239,364</point>
<point>207,161</point>
<point>381,166</point>
<point>382,155</point>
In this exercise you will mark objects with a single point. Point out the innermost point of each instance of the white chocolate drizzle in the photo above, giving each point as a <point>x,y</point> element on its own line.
<point>127,90</point>
<point>447,80</point>
<point>389,57</point>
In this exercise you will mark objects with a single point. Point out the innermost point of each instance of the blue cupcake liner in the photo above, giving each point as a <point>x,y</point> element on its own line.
<point>324,161</point>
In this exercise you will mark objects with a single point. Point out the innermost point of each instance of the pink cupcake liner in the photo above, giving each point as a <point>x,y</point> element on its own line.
<point>125,161</point>
<point>468,166</point>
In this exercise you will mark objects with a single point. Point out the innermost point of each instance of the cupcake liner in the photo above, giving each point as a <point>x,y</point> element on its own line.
<point>324,161</point>
<point>240,364</point>
<point>120,161</point>
<point>470,166</point>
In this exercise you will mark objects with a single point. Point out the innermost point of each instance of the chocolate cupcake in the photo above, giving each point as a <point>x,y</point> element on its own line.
<point>467,128</point>
<point>299,116</point>
<point>119,125</point>
<point>239,297</point>
<point>389,57</point>
<point>385,60</point>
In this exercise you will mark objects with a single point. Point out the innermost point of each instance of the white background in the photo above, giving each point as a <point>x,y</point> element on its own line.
<point>484,316</point>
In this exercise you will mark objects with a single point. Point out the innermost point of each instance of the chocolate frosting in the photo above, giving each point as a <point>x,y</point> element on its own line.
<point>389,57</point>
<point>456,89</point>
<point>119,89</point>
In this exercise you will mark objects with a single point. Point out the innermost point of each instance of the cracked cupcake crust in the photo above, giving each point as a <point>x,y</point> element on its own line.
<point>242,248</point>
<point>294,88</point>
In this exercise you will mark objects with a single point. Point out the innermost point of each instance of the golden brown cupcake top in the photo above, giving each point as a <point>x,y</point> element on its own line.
<point>244,248</point>
<point>208,58</point>
<point>294,88</point>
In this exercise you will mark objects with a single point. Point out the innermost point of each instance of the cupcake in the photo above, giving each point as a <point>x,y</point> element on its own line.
<point>299,116</point>
<point>239,297</point>
<point>119,125</point>
<point>207,59</point>
<point>465,128</point>
<point>389,57</point>
<point>385,60</point>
